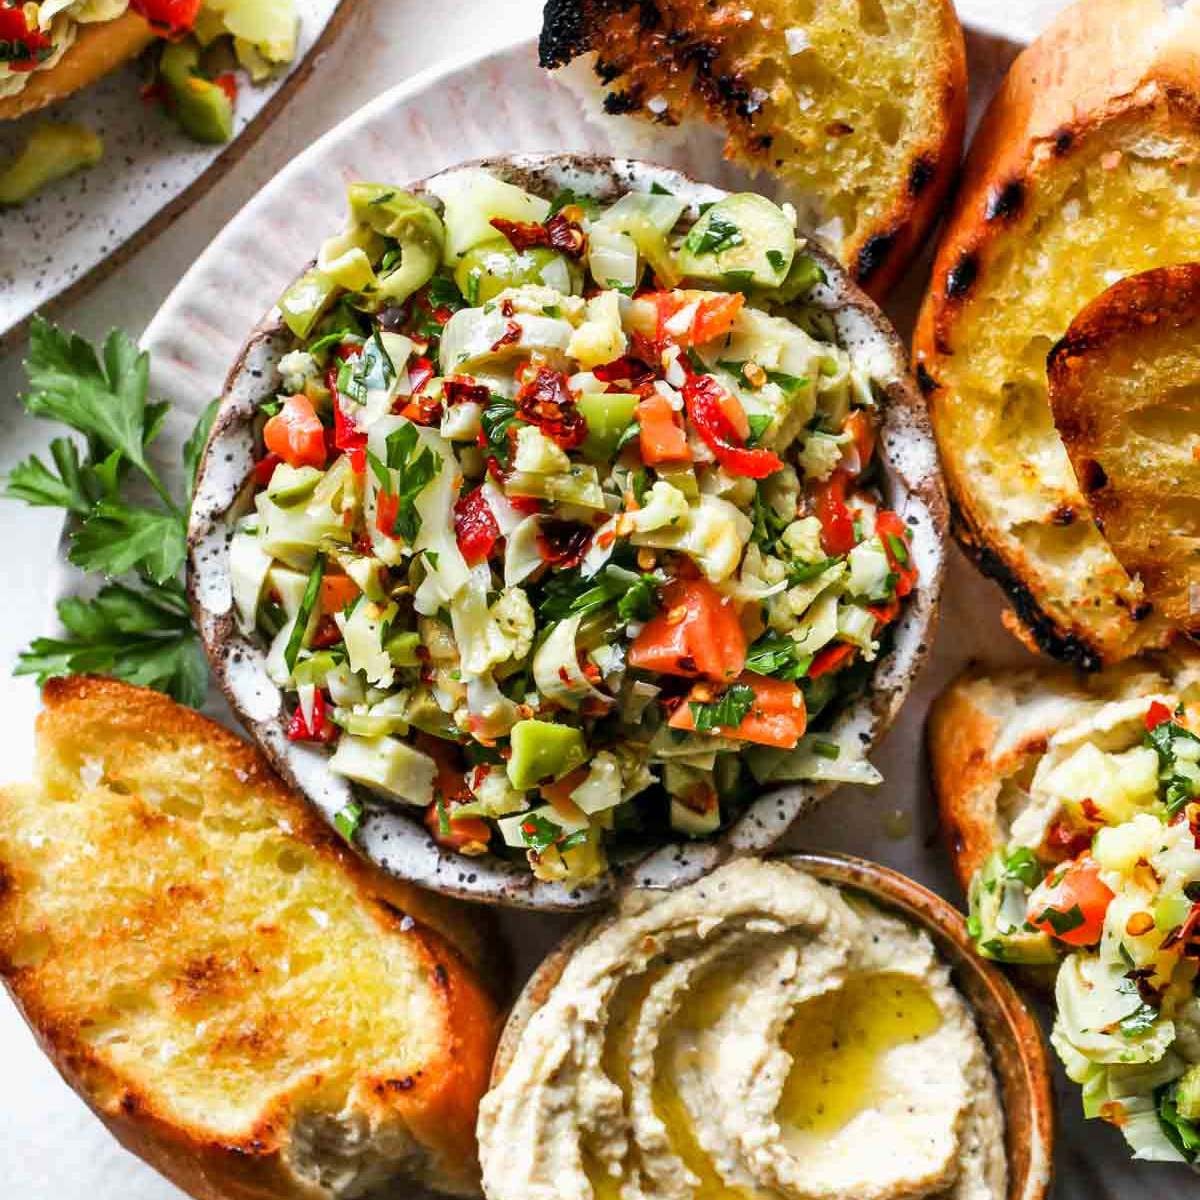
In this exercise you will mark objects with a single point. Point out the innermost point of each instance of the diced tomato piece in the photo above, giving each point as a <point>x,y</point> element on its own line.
<point>461,833</point>
<point>706,402</point>
<point>475,527</point>
<point>861,429</point>
<point>337,591</point>
<point>715,317</point>
<point>346,435</point>
<point>1157,714</point>
<point>661,437</point>
<point>27,47</point>
<point>387,509</point>
<point>831,658</point>
<point>1071,905</point>
<point>776,718</point>
<point>265,468</point>
<point>322,730</point>
<point>889,526</point>
<point>697,632</point>
<point>296,434</point>
<point>837,521</point>
<point>172,17</point>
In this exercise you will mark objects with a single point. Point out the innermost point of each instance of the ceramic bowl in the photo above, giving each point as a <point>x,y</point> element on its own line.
<point>1009,1028</point>
<point>394,837</point>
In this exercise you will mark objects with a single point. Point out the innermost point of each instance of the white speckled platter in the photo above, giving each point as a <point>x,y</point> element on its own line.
<point>74,230</point>
<point>502,103</point>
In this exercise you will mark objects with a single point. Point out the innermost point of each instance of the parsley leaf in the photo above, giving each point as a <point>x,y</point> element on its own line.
<point>37,484</point>
<point>372,371</point>
<point>569,196</point>
<point>726,713</point>
<point>1023,866</point>
<point>117,538</point>
<point>1062,921</point>
<point>777,654</point>
<point>1176,789</point>
<point>498,418</point>
<point>308,602</point>
<point>641,601</point>
<point>1184,1134</point>
<point>758,423</point>
<point>538,832</point>
<point>414,469</point>
<point>141,635</point>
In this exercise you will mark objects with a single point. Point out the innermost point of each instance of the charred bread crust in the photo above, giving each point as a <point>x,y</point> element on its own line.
<point>695,53</point>
<point>99,47</point>
<point>1097,67</point>
<point>435,1104</point>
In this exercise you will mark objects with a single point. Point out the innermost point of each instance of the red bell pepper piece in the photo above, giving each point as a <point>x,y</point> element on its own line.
<point>706,403</point>
<point>346,436</point>
<point>322,729</point>
<point>837,521</point>
<point>475,527</point>
<point>170,17</point>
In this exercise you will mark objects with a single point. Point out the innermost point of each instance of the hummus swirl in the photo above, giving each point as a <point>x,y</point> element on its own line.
<point>756,1034</point>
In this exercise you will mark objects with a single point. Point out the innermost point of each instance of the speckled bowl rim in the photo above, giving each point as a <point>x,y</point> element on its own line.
<point>392,838</point>
<point>1010,1030</point>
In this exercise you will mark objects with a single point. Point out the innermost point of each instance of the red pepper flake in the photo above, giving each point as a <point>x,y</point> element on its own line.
<point>1064,842</point>
<point>507,308</point>
<point>558,233</point>
<point>545,401</point>
<point>1157,714</point>
<point>23,48</point>
<point>563,543</point>
<point>460,390</point>
<point>512,334</point>
<point>326,633</point>
<point>475,527</point>
<point>322,729</point>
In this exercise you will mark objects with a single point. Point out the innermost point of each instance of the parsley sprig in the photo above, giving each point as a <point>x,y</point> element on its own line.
<point>727,712</point>
<point>137,627</point>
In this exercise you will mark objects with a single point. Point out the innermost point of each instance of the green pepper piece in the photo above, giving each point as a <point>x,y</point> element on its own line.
<point>51,152</point>
<point>306,301</point>
<point>202,108</point>
<point>487,269</point>
<point>402,649</point>
<point>543,751</point>
<point>608,415</point>
<point>395,214</point>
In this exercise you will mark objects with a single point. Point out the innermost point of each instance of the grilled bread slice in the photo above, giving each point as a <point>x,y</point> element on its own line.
<point>1125,393</point>
<point>243,1002</point>
<point>988,731</point>
<point>99,47</point>
<point>857,106</point>
<point>1085,169</point>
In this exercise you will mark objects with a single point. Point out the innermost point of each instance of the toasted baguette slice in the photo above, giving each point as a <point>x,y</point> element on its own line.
<point>244,1003</point>
<point>857,106</point>
<point>988,730</point>
<point>1086,167</point>
<point>1125,393</point>
<point>99,48</point>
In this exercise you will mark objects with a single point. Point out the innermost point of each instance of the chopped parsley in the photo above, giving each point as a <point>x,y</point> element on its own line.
<point>641,601</point>
<point>414,470</point>
<point>312,590</point>
<point>759,423</point>
<point>1175,787</point>
<point>726,713</point>
<point>777,654</point>
<point>498,418</point>
<point>372,370</point>
<point>714,235</point>
<point>776,258</point>
<point>1023,866</point>
<point>569,196</point>
<point>347,820</point>
<point>1062,921</point>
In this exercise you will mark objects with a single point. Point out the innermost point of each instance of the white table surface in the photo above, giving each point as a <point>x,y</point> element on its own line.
<point>51,1147</point>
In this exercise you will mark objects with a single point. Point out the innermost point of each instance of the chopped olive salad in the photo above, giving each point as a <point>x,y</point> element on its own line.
<point>205,41</point>
<point>563,532</point>
<point>1102,876</point>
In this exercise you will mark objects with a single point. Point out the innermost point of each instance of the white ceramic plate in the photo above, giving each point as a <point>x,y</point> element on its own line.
<point>76,229</point>
<point>503,103</point>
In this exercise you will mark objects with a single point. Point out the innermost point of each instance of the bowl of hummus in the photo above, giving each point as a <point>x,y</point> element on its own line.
<point>809,1026</point>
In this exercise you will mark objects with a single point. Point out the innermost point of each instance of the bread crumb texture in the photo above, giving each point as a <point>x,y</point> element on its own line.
<point>855,105</point>
<point>1085,171</point>
<point>217,974</point>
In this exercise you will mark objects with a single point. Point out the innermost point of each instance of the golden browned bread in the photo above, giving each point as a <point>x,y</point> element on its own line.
<point>99,47</point>
<point>1086,169</point>
<point>1125,393</point>
<point>241,1000</point>
<point>988,731</point>
<point>856,105</point>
